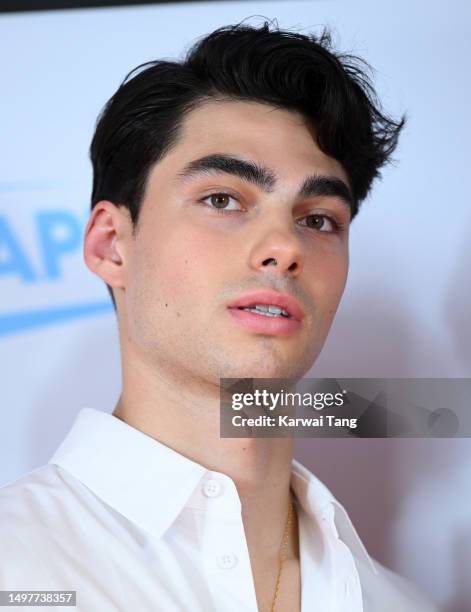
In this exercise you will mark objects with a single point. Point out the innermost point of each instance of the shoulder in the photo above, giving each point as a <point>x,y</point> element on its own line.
<point>27,515</point>
<point>52,538</point>
<point>387,591</point>
<point>37,498</point>
<point>34,507</point>
<point>24,500</point>
<point>41,513</point>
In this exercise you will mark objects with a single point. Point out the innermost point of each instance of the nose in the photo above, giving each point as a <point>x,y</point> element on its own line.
<point>279,251</point>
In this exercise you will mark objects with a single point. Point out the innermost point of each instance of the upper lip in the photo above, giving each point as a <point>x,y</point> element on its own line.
<point>266,296</point>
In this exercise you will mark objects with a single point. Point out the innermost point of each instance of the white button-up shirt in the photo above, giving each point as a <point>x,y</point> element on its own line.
<point>133,526</point>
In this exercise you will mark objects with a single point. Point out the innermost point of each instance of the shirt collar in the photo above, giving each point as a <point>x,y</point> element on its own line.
<point>141,478</point>
<point>315,498</point>
<point>149,483</point>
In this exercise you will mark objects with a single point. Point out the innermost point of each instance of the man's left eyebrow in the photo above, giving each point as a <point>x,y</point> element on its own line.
<point>264,178</point>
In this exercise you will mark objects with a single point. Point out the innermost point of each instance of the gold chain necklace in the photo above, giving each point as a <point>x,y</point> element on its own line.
<point>282,552</point>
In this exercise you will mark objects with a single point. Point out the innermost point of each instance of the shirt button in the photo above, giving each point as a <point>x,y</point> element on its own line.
<point>227,561</point>
<point>212,488</point>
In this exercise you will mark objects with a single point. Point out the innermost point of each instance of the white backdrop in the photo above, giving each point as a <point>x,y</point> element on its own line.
<point>407,305</point>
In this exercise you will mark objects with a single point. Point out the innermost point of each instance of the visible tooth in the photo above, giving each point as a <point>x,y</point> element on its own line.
<point>261,312</point>
<point>267,309</point>
<point>262,307</point>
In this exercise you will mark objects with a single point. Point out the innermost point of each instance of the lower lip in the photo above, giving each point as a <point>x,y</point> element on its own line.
<point>263,324</point>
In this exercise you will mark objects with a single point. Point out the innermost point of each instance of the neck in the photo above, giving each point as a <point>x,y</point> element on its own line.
<point>185,417</point>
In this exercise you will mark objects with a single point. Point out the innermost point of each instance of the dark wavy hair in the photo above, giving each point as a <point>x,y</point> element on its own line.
<point>141,121</point>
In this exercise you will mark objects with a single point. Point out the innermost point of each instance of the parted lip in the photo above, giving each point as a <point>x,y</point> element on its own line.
<point>269,297</point>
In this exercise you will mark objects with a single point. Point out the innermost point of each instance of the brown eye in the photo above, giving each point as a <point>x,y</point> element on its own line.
<point>315,221</point>
<point>220,200</point>
<point>321,223</point>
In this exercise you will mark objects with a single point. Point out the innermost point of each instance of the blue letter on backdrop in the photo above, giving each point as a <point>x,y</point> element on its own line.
<point>16,260</point>
<point>54,245</point>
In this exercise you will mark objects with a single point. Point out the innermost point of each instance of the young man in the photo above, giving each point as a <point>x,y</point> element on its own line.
<point>224,182</point>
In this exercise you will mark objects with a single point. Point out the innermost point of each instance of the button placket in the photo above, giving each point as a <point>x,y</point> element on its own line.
<point>226,559</point>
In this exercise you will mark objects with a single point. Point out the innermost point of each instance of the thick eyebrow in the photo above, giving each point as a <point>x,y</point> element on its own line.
<point>264,178</point>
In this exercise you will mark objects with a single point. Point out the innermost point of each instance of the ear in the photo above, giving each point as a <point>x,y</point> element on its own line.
<point>106,241</point>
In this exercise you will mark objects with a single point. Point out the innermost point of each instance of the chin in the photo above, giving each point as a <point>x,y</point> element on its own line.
<point>268,370</point>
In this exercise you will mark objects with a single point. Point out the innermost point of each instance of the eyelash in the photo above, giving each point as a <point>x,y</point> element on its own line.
<point>338,227</point>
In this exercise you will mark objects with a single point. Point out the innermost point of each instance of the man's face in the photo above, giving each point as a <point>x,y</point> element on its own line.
<point>190,261</point>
